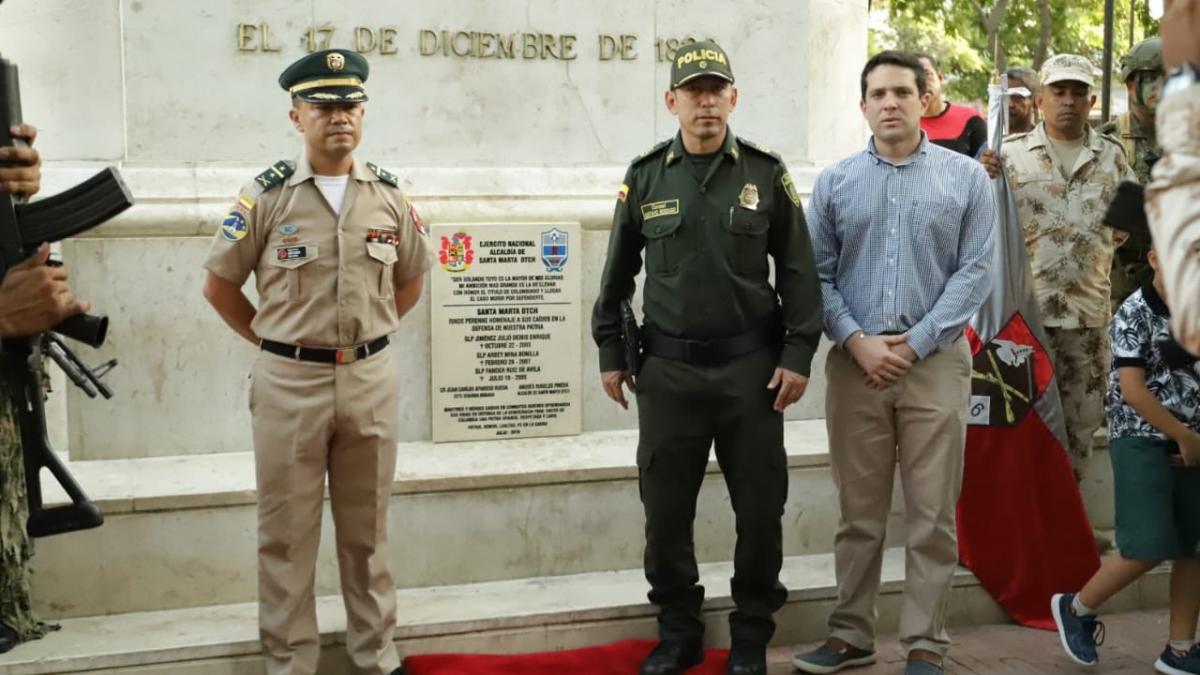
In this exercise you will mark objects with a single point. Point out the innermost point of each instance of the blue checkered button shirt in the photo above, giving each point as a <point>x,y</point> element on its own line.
<point>903,246</point>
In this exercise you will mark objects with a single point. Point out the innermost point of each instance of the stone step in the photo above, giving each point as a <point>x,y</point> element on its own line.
<point>533,614</point>
<point>180,531</point>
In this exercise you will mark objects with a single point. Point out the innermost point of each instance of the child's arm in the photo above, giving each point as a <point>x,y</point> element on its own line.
<point>1135,393</point>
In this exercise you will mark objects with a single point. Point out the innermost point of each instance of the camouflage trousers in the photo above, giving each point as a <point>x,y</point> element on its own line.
<point>1081,365</point>
<point>16,548</point>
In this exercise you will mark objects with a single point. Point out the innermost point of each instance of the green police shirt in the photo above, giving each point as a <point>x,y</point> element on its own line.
<point>706,240</point>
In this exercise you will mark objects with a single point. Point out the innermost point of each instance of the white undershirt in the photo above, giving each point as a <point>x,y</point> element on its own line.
<point>334,189</point>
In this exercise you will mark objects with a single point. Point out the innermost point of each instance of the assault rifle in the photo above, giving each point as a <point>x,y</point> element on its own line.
<point>23,228</point>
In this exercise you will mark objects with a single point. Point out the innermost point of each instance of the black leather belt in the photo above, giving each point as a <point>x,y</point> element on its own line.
<point>322,355</point>
<point>706,352</point>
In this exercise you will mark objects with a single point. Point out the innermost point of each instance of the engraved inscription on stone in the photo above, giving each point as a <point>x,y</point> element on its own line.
<point>505,303</point>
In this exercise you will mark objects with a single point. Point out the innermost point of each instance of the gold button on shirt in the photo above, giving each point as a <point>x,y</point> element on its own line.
<point>323,280</point>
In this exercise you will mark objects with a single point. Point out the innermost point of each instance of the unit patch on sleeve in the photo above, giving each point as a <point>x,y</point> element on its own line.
<point>234,226</point>
<point>789,186</point>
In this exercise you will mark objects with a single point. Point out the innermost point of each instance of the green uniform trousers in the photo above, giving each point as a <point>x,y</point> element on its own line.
<point>683,411</point>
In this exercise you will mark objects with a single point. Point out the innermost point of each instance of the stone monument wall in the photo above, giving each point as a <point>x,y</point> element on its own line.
<point>489,112</point>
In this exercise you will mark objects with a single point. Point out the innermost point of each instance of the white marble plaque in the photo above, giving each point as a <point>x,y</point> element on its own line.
<point>506,330</point>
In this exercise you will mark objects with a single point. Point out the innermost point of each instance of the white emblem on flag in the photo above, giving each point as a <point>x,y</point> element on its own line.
<point>1012,353</point>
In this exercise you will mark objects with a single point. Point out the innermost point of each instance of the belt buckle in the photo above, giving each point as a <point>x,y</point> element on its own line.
<point>346,355</point>
<point>700,352</point>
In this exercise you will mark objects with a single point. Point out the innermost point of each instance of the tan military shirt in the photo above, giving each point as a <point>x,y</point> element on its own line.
<point>1061,211</point>
<point>323,280</point>
<point>1173,207</point>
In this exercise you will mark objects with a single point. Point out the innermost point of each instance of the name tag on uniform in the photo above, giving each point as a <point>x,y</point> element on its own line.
<point>292,253</point>
<point>669,207</point>
<point>382,235</point>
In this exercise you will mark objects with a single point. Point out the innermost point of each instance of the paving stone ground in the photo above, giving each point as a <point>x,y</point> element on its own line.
<point>1134,640</point>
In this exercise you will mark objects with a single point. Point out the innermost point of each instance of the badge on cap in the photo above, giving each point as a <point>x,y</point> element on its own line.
<point>335,61</point>
<point>748,199</point>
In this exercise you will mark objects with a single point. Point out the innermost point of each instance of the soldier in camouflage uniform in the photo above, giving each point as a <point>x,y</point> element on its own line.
<point>1063,176</point>
<point>1142,70</point>
<point>33,297</point>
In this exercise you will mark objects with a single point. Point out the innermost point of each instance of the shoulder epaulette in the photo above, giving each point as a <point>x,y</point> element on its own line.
<point>384,175</point>
<point>1114,140</point>
<point>658,147</point>
<point>275,175</point>
<point>754,146</point>
<point>1016,137</point>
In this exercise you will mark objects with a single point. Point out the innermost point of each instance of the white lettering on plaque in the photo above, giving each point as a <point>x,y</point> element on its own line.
<point>506,338</point>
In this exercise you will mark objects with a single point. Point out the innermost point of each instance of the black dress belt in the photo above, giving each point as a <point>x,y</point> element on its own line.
<point>707,352</point>
<point>322,355</point>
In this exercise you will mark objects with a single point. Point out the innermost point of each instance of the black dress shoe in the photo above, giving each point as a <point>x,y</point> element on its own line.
<point>747,659</point>
<point>8,638</point>
<point>672,657</point>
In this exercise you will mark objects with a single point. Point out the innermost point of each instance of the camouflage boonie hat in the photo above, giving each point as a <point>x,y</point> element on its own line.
<point>327,76</point>
<point>1067,68</point>
<point>699,59</point>
<point>1145,55</point>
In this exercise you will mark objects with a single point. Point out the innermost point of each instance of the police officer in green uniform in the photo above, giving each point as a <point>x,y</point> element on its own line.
<point>1142,70</point>
<point>725,351</point>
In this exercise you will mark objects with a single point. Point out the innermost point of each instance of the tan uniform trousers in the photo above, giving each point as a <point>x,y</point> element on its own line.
<point>921,423</point>
<point>312,419</point>
<point>1081,363</point>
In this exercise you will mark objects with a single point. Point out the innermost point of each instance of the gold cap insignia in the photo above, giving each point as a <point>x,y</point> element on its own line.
<point>703,65</point>
<point>335,61</point>
<point>748,199</point>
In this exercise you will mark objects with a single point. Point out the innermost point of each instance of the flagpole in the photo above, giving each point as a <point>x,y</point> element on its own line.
<point>1106,100</point>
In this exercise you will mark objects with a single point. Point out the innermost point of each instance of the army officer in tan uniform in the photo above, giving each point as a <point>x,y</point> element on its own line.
<point>339,256</point>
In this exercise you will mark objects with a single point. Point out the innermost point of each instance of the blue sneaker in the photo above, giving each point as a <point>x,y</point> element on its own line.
<point>1079,634</point>
<point>825,659</point>
<point>1173,663</point>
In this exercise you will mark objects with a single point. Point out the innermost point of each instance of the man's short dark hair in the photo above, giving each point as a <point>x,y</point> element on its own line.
<point>1027,76</point>
<point>894,57</point>
<point>929,57</point>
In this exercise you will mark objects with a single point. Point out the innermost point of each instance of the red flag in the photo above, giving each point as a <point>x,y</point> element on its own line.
<point>1022,527</point>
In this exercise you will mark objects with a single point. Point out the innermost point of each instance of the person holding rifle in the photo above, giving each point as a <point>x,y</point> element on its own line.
<point>33,298</point>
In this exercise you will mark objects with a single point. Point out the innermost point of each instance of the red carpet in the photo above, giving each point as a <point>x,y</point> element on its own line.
<point>621,658</point>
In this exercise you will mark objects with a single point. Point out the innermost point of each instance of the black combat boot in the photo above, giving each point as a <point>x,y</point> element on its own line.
<point>672,657</point>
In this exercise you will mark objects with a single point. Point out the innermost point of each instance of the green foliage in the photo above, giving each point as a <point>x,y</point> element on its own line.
<point>955,32</point>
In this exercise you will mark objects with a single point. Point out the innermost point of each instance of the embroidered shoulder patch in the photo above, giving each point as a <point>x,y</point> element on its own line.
<point>789,186</point>
<point>275,175</point>
<point>384,175</point>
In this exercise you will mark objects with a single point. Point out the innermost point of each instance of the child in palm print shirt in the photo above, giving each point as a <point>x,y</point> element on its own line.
<point>1152,403</point>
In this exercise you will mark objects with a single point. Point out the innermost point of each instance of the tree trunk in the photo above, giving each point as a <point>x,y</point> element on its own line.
<point>1039,56</point>
<point>991,21</point>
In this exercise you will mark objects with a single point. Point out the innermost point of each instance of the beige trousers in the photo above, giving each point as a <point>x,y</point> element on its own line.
<point>920,422</point>
<point>312,420</point>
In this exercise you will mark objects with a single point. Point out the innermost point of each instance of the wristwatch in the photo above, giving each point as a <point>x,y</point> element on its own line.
<point>1181,77</point>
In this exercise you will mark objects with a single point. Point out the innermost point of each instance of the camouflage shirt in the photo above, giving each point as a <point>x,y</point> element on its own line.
<point>1141,148</point>
<point>1173,207</point>
<point>1061,209</point>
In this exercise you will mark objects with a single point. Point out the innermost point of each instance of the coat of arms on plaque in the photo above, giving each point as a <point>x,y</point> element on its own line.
<point>554,250</point>
<point>456,254</point>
